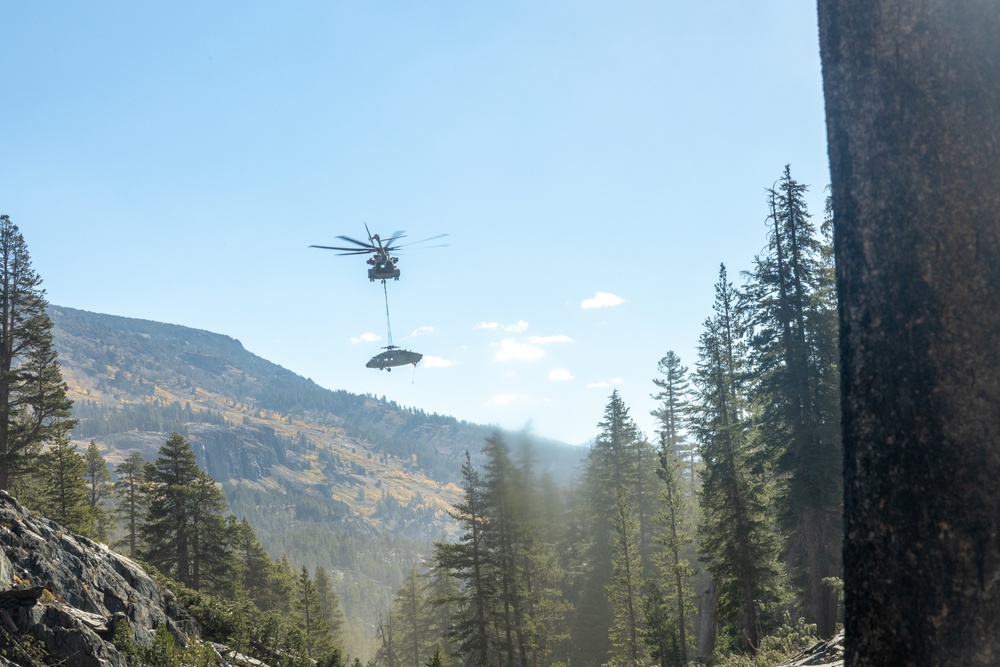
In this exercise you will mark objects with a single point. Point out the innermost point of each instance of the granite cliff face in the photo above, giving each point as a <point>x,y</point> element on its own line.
<point>68,593</point>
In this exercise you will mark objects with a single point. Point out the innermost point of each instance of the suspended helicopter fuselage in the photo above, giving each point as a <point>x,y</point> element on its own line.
<point>392,357</point>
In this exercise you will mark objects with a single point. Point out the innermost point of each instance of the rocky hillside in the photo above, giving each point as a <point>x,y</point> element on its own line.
<point>829,653</point>
<point>62,596</point>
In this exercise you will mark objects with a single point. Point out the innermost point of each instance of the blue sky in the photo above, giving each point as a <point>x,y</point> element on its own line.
<point>592,163</point>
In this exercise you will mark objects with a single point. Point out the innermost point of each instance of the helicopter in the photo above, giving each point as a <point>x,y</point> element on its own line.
<point>393,356</point>
<point>382,264</point>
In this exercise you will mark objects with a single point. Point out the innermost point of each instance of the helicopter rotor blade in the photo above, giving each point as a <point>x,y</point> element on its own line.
<point>430,238</point>
<point>351,251</point>
<point>360,243</point>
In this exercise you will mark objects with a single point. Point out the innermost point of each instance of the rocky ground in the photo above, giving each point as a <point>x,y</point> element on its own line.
<point>824,654</point>
<point>63,595</point>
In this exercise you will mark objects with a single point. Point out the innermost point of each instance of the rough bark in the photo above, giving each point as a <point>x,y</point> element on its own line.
<point>709,604</point>
<point>913,120</point>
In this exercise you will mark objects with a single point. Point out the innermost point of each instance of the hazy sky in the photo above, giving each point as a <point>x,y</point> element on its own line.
<point>592,163</point>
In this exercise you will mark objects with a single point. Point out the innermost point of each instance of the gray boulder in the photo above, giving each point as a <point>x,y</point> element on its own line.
<point>68,592</point>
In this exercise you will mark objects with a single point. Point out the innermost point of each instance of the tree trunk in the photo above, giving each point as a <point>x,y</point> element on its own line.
<point>709,604</point>
<point>913,121</point>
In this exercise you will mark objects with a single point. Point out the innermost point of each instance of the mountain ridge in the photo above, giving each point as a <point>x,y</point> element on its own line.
<point>355,483</point>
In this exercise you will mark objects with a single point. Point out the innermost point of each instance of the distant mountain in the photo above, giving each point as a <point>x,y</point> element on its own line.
<point>358,484</point>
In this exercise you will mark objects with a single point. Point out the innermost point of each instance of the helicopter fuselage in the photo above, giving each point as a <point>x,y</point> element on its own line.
<point>393,357</point>
<point>383,272</point>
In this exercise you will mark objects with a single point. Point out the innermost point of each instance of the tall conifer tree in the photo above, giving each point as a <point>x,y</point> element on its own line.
<point>624,592</point>
<point>185,534</point>
<point>166,534</point>
<point>736,533</point>
<point>507,544</point>
<point>674,565</point>
<point>34,409</point>
<point>620,458</point>
<point>130,492</point>
<point>789,300</point>
<point>672,413</point>
<point>468,563</point>
<point>256,571</point>
<point>211,537</point>
<point>316,633</point>
<point>329,604</point>
<point>412,620</point>
<point>99,489</point>
<point>443,595</point>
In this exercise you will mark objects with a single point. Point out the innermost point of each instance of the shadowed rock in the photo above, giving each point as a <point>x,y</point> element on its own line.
<point>67,592</point>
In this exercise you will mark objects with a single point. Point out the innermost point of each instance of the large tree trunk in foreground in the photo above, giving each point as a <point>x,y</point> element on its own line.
<point>913,120</point>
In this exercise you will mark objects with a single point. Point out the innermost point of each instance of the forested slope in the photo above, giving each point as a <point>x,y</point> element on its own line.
<point>357,484</point>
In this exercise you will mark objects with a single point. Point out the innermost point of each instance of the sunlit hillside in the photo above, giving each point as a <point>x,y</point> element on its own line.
<point>354,483</point>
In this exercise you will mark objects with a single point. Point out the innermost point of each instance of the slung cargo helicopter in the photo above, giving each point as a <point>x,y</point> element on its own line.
<point>393,356</point>
<point>382,264</point>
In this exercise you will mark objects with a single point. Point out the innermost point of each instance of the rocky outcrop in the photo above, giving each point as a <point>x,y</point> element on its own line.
<point>829,653</point>
<point>68,592</point>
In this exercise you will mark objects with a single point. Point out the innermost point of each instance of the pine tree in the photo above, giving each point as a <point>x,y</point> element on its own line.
<point>736,534</point>
<point>412,620</point>
<point>163,651</point>
<point>184,508</point>
<point>468,563</point>
<point>438,659</point>
<point>620,458</point>
<point>129,490</point>
<point>535,504</point>
<point>166,534</point>
<point>317,638</point>
<point>505,541</point>
<point>211,537</point>
<point>63,490</point>
<point>443,595</point>
<point>99,489</point>
<point>796,382</point>
<point>672,414</point>
<point>329,604</point>
<point>34,409</point>
<point>676,539</point>
<point>625,589</point>
<point>661,632</point>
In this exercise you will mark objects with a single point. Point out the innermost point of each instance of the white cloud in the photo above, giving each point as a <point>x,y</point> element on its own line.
<point>511,350</point>
<point>520,326</point>
<point>421,330</point>
<point>558,338</point>
<point>436,362</point>
<point>516,328</point>
<point>597,385</point>
<point>602,300</point>
<point>560,374</point>
<point>367,337</point>
<point>616,380</point>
